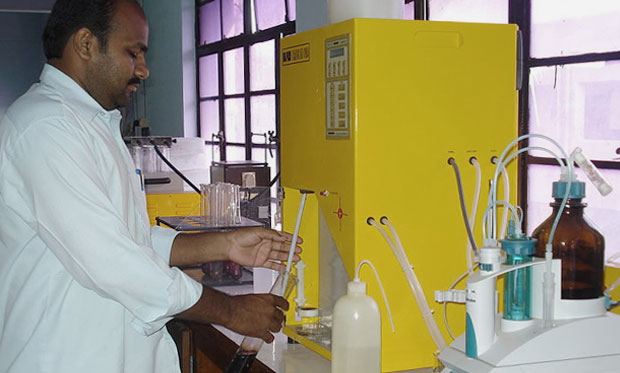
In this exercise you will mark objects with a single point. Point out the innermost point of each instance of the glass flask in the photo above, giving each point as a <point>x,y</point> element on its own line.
<point>580,247</point>
<point>519,249</point>
<point>246,354</point>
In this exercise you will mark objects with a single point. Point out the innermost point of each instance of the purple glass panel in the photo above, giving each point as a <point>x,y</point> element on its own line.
<point>263,109</point>
<point>209,19</point>
<point>209,118</point>
<point>233,71</point>
<point>207,67</point>
<point>232,11</point>
<point>269,13</point>
<point>235,120</point>
<point>292,10</point>
<point>567,27</point>
<point>235,153</point>
<point>409,11</point>
<point>603,212</point>
<point>469,11</point>
<point>578,105</point>
<point>262,66</point>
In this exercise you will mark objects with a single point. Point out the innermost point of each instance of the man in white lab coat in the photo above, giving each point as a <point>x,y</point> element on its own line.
<point>85,283</point>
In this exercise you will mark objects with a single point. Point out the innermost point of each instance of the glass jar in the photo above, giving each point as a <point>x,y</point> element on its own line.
<point>579,245</point>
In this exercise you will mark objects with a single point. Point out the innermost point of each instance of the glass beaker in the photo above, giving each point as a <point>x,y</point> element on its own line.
<point>149,159</point>
<point>245,356</point>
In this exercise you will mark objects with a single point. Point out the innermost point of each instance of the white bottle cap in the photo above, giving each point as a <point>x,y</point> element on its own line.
<point>356,287</point>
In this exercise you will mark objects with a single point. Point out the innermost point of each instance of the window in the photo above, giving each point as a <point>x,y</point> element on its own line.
<point>572,94</point>
<point>237,44</point>
<point>486,11</point>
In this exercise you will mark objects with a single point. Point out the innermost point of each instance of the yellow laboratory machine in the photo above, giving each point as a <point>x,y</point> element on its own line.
<point>372,110</point>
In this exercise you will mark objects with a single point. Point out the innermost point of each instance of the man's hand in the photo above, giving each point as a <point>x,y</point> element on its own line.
<point>254,315</point>
<point>256,247</point>
<point>257,315</point>
<point>261,247</point>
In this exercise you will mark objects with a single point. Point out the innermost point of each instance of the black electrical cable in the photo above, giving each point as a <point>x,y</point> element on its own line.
<point>176,171</point>
<point>457,175</point>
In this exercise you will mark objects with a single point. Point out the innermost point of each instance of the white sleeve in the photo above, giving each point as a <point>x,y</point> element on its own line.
<point>162,239</point>
<point>75,217</point>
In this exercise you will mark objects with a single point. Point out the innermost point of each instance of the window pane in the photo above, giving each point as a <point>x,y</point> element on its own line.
<point>235,153</point>
<point>262,66</point>
<point>235,120</point>
<point>603,212</point>
<point>263,110</point>
<point>577,105</point>
<point>269,13</point>
<point>570,27</point>
<point>292,10</point>
<point>495,11</point>
<point>409,11</point>
<point>233,71</point>
<point>232,11</point>
<point>209,118</point>
<point>208,75</point>
<point>258,154</point>
<point>209,19</point>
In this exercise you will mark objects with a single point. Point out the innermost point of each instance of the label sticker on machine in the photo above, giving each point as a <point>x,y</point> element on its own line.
<point>296,54</point>
<point>337,87</point>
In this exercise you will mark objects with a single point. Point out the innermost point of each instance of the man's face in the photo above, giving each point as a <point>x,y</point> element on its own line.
<point>115,73</point>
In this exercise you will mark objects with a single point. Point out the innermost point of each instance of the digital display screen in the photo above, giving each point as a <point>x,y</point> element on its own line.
<point>336,52</point>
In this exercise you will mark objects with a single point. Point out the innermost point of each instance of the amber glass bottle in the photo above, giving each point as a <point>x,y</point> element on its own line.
<point>580,247</point>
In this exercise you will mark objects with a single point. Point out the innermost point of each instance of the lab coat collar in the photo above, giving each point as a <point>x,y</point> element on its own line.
<point>77,97</point>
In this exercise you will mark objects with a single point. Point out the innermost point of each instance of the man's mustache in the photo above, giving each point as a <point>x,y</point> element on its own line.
<point>134,81</point>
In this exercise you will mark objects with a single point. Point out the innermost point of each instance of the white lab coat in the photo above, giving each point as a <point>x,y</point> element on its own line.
<point>85,284</point>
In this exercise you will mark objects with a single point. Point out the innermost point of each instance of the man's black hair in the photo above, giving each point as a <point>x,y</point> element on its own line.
<point>68,16</point>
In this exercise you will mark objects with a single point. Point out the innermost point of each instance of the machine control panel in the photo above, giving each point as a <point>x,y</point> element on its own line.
<point>337,86</point>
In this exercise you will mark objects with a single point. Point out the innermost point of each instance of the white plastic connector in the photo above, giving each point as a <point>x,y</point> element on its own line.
<point>450,296</point>
<point>490,259</point>
<point>591,172</point>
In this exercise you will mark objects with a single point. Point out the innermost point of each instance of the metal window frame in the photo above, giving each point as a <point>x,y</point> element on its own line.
<point>245,41</point>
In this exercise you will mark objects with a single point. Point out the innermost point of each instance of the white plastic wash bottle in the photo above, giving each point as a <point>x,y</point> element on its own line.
<point>356,332</point>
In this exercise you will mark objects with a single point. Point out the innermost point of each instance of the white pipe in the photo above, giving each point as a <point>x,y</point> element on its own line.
<point>504,174</point>
<point>416,288</point>
<point>291,250</point>
<point>502,164</point>
<point>509,207</point>
<point>385,299</point>
<point>503,155</point>
<point>445,304</point>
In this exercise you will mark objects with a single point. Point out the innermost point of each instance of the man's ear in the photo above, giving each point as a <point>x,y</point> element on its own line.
<point>84,44</point>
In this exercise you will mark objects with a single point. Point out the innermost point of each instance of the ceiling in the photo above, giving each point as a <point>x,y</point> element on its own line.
<point>26,5</point>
